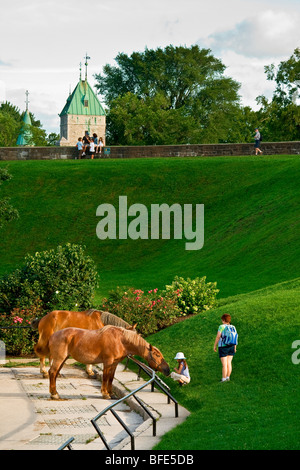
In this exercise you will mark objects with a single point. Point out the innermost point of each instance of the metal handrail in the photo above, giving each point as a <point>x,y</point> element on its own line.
<point>112,405</point>
<point>67,444</point>
<point>157,381</point>
<point>153,379</point>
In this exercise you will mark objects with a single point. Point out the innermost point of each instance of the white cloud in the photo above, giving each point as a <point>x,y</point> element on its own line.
<point>266,34</point>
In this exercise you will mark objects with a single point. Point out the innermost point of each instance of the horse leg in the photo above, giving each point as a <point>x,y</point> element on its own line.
<point>89,370</point>
<point>43,369</point>
<point>53,373</point>
<point>105,380</point>
<point>111,378</point>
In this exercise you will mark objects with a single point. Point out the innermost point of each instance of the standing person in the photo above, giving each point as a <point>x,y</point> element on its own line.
<point>181,374</point>
<point>92,148</point>
<point>226,340</point>
<point>79,146</point>
<point>257,139</point>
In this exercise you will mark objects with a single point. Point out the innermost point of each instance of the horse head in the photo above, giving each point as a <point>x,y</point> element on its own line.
<point>157,362</point>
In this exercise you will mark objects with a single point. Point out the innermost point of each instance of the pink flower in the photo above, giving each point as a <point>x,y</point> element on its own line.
<point>18,319</point>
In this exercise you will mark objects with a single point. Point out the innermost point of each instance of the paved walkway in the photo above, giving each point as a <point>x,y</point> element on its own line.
<point>30,420</point>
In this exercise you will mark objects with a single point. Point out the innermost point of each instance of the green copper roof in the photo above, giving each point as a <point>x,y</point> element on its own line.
<point>25,134</point>
<point>83,101</point>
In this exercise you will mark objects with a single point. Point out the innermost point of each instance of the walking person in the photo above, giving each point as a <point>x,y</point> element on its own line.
<point>181,374</point>
<point>257,139</point>
<point>226,340</point>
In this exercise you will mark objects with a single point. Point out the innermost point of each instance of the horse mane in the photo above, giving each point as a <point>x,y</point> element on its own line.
<point>135,339</point>
<point>111,319</point>
<point>129,335</point>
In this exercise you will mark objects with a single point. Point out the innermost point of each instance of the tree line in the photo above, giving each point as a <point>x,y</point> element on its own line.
<point>180,95</point>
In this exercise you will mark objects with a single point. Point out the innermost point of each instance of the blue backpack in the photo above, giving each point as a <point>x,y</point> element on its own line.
<point>229,336</point>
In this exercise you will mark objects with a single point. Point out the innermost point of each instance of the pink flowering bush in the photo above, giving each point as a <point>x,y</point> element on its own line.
<point>18,340</point>
<point>150,310</point>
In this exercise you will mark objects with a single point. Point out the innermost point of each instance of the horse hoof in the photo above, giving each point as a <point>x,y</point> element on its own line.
<point>55,397</point>
<point>45,375</point>
<point>105,396</point>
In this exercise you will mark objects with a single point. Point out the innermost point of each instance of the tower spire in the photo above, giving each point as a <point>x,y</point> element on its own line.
<point>80,71</point>
<point>27,100</point>
<point>86,65</point>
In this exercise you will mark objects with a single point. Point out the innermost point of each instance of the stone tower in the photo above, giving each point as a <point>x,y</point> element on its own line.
<point>82,112</point>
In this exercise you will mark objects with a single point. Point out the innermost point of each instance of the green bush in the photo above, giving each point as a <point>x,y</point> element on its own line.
<point>194,295</point>
<point>62,278</point>
<point>150,310</point>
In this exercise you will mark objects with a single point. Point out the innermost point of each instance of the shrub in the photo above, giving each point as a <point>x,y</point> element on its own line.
<point>62,278</point>
<point>195,295</point>
<point>19,338</point>
<point>150,310</point>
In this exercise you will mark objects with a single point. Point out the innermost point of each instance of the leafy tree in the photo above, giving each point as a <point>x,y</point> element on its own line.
<point>52,138</point>
<point>287,78</point>
<point>171,95</point>
<point>9,129</point>
<point>280,117</point>
<point>11,122</point>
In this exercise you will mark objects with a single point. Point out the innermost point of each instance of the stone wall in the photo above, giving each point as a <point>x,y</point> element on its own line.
<point>201,150</point>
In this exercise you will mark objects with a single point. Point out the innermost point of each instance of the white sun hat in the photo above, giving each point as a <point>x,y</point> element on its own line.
<point>179,355</point>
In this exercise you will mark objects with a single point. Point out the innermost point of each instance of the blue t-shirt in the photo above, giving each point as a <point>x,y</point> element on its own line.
<point>79,145</point>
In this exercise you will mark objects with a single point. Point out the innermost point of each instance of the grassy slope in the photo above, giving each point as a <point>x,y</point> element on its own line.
<point>251,217</point>
<point>259,407</point>
<point>251,242</point>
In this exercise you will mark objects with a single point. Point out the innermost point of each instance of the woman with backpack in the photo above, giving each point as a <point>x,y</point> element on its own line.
<point>226,340</point>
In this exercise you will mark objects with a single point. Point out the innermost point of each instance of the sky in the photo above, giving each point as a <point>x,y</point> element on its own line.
<point>43,42</point>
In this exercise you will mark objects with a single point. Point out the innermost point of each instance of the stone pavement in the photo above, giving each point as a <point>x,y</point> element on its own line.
<point>30,420</point>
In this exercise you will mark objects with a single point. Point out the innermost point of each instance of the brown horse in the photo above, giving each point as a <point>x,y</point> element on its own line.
<point>59,319</point>
<point>108,345</point>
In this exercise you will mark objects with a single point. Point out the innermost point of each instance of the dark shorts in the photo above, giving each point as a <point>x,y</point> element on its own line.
<point>226,351</point>
<point>257,144</point>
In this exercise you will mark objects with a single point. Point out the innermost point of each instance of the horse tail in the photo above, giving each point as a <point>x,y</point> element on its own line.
<point>42,348</point>
<point>111,319</point>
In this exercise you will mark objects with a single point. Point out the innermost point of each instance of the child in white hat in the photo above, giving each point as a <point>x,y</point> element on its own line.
<point>181,374</point>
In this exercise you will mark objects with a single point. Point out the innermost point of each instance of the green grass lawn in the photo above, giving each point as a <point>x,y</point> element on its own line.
<point>251,217</point>
<point>259,407</point>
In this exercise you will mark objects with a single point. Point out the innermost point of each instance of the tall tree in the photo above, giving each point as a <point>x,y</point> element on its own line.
<point>184,90</point>
<point>280,117</point>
